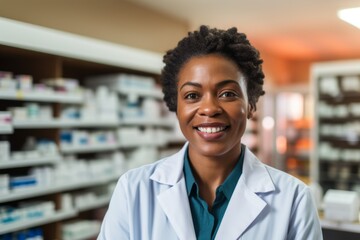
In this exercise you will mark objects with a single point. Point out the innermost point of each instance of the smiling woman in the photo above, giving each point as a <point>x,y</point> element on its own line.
<point>212,107</point>
<point>214,188</point>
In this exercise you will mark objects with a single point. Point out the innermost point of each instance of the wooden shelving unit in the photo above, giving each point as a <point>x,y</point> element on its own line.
<point>46,53</point>
<point>336,157</point>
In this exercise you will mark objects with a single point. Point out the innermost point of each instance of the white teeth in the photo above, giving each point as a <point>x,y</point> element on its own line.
<point>211,130</point>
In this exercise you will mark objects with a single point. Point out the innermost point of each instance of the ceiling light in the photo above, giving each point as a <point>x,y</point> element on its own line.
<point>350,15</point>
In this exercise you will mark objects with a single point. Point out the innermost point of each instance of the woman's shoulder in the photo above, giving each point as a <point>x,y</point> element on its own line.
<point>286,183</point>
<point>257,169</point>
<point>168,170</point>
<point>282,176</point>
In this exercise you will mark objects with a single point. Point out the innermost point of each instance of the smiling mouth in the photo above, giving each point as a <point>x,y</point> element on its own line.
<point>211,129</point>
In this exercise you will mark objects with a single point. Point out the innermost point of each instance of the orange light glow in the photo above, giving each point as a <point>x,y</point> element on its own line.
<point>281,144</point>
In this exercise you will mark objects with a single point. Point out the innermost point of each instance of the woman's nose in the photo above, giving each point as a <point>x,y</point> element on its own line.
<point>209,106</point>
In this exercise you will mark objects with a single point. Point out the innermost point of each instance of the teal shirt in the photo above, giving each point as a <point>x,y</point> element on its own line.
<point>206,223</point>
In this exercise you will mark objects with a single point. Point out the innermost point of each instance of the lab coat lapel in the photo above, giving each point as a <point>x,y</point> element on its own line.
<point>174,200</point>
<point>175,204</point>
<point>245,205</point>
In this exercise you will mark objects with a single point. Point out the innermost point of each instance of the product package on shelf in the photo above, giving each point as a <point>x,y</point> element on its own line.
<point>18,82</point>
<point>26,212</point>
<point>29,234</point>
<point>6,119</point>
<point>80,229</point>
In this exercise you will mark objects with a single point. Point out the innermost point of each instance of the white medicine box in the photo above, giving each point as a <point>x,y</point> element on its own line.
<point>342,206</point>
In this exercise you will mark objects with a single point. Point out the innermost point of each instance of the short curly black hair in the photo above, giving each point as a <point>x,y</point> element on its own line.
<point>228,43</point>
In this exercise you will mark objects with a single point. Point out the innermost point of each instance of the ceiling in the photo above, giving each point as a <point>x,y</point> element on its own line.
<point>292,29</point>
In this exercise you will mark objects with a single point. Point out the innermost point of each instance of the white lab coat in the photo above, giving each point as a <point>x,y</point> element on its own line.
<point>151,202</point>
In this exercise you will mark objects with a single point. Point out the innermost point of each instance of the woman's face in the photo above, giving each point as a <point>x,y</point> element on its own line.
<point>212,105</point>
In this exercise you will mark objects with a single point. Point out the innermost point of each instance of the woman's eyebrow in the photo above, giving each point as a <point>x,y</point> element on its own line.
<point>218,85</point>
<point>226,82</point>
<point>191,84</point>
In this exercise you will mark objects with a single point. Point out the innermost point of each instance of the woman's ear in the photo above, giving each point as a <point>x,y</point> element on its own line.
<point>250,111</point>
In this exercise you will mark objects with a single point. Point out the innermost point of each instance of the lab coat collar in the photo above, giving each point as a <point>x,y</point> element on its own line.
<point>174,200</point>
<point>170,170</point>
<point>244,207</point>
<point>255,175</point>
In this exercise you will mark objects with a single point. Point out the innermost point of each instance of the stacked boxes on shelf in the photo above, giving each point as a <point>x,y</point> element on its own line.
<point>65,137</point>
<point>43,95</point>
<point>337,131</point>
<point>140,112</point>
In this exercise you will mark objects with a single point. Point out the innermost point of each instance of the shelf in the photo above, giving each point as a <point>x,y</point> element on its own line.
<point>6,129</point>
<point>41,96</point>
<point>351,177</point>
<point>29,162</point>
<point>350,181</point>
<point>147,122</point>
<point>102,201</point>
<point>177,140</point>
<point>344,96</point>
<point>108,147</point>
<point>60,123</point>
<point>41,190</point>
<point>342,142</point>
<point>57,216</point>
<point>153,93</point>
<point>59,43</point>
<point>344,137</point>
<point>140,142</point>
<point>353,162</point>
<point>25,224</point>
<point>348,227</point>
<point>89,148</point>
<point>339,162</point>
<point>338,120</point>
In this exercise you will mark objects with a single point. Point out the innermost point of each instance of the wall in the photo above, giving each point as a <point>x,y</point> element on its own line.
<point>282,71</point>
<point>125,23</point>
<point>111,20</point>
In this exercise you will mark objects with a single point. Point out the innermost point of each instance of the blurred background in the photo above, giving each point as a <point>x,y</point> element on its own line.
<point>81,102</point>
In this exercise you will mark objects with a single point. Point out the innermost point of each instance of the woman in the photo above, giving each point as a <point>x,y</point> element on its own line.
<point>214,188</point>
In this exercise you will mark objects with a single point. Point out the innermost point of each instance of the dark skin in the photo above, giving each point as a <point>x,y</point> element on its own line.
<point>212,112</point>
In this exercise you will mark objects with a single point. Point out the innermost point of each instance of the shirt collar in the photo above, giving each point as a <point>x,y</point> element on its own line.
<point>189,177</point>
<point>230,182</point>
<point>228,185</point>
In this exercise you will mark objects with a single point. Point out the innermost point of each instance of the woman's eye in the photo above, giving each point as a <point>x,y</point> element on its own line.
<point>228,94</point>
<point>191,96</point>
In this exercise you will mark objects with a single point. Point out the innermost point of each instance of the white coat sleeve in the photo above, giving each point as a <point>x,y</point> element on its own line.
<point>304,223</point>
<point>116,221</point>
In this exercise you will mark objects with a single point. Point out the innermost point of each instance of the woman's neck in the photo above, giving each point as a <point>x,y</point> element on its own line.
<point>211,171</point>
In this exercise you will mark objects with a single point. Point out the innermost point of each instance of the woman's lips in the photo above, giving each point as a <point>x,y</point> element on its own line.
<point>211,131</point>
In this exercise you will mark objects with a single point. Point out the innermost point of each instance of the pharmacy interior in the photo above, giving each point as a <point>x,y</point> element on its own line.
<point>81,103</point>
